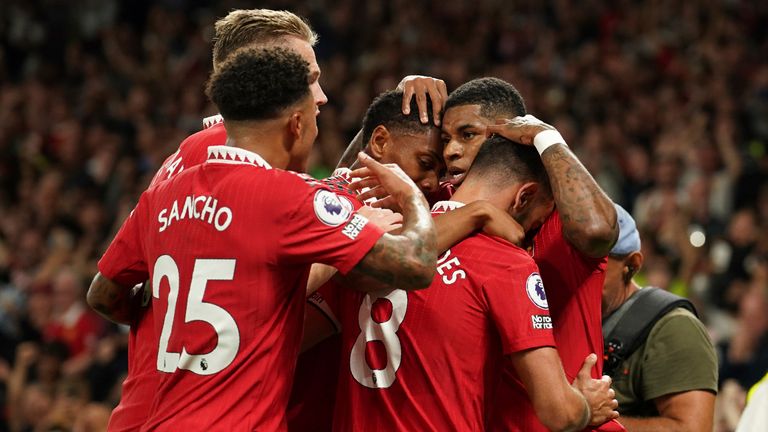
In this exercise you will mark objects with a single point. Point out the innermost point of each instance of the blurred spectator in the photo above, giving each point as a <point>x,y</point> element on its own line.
<point>73,323</point>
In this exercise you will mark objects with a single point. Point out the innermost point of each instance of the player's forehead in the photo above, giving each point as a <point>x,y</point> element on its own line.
<point>426,141</point>
<point>460,117</point>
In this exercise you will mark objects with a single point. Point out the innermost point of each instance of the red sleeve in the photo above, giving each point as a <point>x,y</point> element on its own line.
<point>551,245</point>
<point>124,262</point>
<point>518,306</point>
<point>325,228</point>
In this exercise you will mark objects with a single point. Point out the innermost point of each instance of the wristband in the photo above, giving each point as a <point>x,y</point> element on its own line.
<point>545,139</point>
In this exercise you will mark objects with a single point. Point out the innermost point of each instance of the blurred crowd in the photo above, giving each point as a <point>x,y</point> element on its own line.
<point>665,102</point>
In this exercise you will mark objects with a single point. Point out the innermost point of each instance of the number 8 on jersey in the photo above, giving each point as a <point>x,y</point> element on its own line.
<point>383,331</point>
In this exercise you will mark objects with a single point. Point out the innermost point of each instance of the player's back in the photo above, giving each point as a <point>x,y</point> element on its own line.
<point>228,306</point>
<point>193,150</point>
<point>427,360</point>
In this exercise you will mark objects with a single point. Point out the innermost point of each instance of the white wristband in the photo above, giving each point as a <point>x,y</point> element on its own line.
<point>544,139</point>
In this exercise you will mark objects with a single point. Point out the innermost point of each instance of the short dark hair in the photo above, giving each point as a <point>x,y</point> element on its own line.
<point>387,110</point>
<point>496,97</point>
<point>506,161</point>
<point>258,84</point>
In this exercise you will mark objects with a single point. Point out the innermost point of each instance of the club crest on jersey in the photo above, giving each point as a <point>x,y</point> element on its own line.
<point>534,286</point>
<point>331,209</point>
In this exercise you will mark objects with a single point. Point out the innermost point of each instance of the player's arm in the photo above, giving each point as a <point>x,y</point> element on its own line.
<point>122,266</point>
<point>586,212</point>
<point>319,274</point>
<point>560,406</point>
<point>319,322</point>
<point>456,225</point>
<point>406,260</point>
<point>412,86</point>
<point>677,412</point>
<point>113,301</point>
<point>385,219</point>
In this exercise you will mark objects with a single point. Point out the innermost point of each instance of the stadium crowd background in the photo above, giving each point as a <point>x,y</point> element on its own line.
<point>665,102</point>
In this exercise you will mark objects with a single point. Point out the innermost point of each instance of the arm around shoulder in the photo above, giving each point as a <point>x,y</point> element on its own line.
<point>587,214</point>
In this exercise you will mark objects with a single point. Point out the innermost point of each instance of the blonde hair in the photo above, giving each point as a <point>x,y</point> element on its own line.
<point>244,27</point>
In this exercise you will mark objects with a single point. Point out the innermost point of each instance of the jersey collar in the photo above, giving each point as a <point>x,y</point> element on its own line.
<point>444,206</point>
<point>212,121</point>
<point>235,155</point>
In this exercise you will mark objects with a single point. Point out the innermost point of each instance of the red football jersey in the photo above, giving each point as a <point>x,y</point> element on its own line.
<point>574,287</point>
<point>228,245</point>
<point>317,370</point>
<point>194,150</point>
<point>427,360</point>
<point>313,396</point>
<point>444,192</point>
<point>141,382</point>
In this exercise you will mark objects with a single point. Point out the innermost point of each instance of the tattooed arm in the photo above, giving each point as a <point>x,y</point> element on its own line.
<point>406,260</point>
<point>112,301</point>
<point>586,212</point>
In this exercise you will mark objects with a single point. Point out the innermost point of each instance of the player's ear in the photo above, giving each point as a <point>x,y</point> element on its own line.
<point>380,139</point>
<point>634,262</point>
<point>525,195</point>
<point>295,127</point>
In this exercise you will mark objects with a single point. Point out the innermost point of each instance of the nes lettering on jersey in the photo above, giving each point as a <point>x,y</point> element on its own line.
<point>534,286</point>
<point>355,226</point>
<point>204,208</point>
<point>331,209</point>
<point>449,268</point>
<point>541,322</point>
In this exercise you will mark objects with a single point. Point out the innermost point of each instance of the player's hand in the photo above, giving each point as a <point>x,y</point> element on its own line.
<point>385,219</point>
<point>390,183</point>
<point>598,393</point>
<point>497,222</point>
<point>519,129</point>
<point>421,87</point>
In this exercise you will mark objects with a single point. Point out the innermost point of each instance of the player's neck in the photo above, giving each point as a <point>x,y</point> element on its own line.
<point>473,191</point>
<point>260,138</point>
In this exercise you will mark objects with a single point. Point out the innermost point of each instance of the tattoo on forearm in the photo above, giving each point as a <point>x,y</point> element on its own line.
<point>580,201</point>
<point>400,260</point>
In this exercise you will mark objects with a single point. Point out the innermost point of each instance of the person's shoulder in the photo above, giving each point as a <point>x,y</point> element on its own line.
<point>678,321</point>
<point>502,254</point>
<point>682,329</point>
<point>338,182</point>
<point>216,134</point>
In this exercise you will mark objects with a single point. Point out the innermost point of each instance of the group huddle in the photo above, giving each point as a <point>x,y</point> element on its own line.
<point>448,276</point>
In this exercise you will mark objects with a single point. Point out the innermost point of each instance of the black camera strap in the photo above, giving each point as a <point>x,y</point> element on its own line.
<point>629,325</point>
